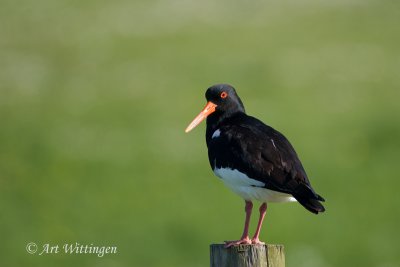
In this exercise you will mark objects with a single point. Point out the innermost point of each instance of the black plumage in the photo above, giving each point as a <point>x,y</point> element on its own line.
<point>256,161</point>
<point>256,149</point>
<point>262,153</point>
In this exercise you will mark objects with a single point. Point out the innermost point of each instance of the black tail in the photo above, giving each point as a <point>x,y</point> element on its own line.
<point>306,196</point>
<point>312,205</point>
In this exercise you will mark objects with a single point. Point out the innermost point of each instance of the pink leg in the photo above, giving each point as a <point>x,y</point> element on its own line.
<point>245,236</point>
<point>255,239</point>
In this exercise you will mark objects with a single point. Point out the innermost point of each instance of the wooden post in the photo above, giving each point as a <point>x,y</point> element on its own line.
<point>247,256</point>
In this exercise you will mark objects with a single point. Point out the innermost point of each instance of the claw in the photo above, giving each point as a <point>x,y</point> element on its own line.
<point>256,241</point>
<point>242,241</point>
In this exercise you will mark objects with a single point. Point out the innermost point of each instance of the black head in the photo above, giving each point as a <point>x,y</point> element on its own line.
<point>222,103</point>
<point>225,97</point>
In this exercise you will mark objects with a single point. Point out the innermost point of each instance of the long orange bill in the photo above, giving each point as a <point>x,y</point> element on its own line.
<point>207,110</point>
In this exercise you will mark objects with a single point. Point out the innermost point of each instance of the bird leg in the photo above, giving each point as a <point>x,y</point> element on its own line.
<point>245,236</point>
<point>255,239</point>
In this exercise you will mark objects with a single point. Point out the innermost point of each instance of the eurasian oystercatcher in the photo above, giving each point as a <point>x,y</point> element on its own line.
<point>254,160</point>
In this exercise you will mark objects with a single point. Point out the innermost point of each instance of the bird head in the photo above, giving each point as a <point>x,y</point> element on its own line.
<point>222,101</point>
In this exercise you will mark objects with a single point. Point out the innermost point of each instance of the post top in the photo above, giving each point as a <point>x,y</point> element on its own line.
<point>244,246</point>
<point>269,255</point>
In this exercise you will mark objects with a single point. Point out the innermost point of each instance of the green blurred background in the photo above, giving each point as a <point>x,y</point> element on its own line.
<point>95,97</point>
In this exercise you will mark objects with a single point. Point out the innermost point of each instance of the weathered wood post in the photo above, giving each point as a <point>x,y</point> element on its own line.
<point>247,256</point>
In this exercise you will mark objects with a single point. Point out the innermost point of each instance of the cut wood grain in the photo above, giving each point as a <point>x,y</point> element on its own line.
<point>247,256</point>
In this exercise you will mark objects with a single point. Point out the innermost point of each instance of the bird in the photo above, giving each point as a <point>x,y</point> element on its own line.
<point>254,160</point>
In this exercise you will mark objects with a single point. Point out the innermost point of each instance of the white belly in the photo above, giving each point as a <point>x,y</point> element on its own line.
<point>250,189</point>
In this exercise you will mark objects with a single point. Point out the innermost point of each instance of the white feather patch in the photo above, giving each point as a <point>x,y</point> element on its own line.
<point>216,134</point>
<point>248,188</point>
<point>273,143</point>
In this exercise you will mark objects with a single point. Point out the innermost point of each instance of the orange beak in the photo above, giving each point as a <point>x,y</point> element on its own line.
<point>207,110</point>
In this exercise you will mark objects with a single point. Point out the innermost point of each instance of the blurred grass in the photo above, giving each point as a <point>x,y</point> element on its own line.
<point>95,96</point>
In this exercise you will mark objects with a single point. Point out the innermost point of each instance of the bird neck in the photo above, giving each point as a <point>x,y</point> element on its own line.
<point>217,119</point>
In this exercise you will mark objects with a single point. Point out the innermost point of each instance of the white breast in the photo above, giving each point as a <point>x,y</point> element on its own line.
<point>248,188</point>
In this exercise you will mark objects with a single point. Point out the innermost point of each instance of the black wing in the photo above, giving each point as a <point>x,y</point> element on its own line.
<point>266,155</point>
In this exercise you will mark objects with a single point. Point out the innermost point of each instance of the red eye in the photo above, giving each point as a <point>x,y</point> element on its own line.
<point>224,94</point>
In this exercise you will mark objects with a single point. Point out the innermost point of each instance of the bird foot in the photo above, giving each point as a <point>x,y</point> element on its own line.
<point>244,240</point>
<point>256,241</point>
